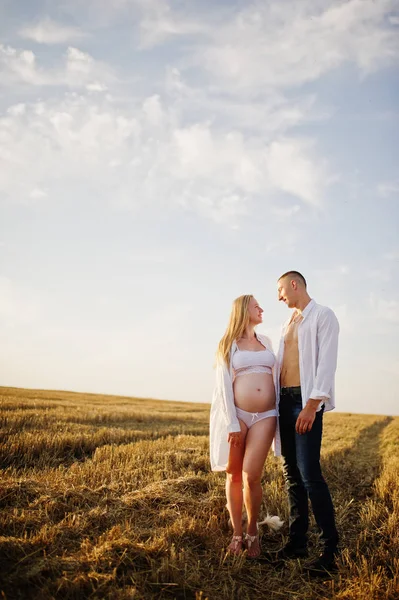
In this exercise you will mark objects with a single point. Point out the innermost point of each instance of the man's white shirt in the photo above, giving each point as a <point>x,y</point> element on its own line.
<point>318,349</point>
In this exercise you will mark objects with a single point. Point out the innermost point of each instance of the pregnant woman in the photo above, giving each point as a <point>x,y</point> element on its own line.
<point>243,419</point>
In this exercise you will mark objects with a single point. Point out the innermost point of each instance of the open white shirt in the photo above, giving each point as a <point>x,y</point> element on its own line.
<point>318,348</point>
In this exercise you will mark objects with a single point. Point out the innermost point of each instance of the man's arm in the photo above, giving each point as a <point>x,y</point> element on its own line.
<point>327,338</point>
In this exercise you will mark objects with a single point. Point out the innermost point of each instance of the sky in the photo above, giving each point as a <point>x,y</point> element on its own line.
<point>159,158</point>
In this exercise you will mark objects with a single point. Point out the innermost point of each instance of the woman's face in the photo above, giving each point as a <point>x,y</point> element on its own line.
<point>255,312</point>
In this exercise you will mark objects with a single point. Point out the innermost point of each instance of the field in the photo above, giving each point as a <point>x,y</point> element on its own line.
<point>112,497</point>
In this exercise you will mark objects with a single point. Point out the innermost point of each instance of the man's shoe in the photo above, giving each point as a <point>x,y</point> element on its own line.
<point>324,566</point>
<point>288,552</point>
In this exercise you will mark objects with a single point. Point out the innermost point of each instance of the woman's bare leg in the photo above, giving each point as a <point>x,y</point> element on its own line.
<point>234,488</point>
<point>258,441</point>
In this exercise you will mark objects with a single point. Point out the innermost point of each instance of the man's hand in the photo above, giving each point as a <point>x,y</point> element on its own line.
<point>234,439</point>
<point>307,416</point>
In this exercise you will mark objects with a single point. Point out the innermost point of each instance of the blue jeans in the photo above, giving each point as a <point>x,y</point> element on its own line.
<point>303,475</point>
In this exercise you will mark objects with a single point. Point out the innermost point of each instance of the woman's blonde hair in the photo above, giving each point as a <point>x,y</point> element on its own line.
<point>239,321</point>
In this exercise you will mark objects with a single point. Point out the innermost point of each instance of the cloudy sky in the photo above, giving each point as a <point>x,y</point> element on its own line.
<point>160,157</point>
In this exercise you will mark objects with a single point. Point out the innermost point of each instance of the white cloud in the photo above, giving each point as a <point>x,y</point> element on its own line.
<point>250,166</point>
<point>18,65</point>
<point>286,213</point>
<point>153,110</point>
<point>154,21</point>
<point>75,69</point>
<point>217,148</point>
<point>78,61</point>
<point>37,194</point>
<point>17,109</point>
<point>48,31</point>
<point>284,44</point>
<point>268,113</point>
<point>265,43</point>
<point>143,155</point>
<point>159,23</point>
<point>96,87</point>
<point>388,188</point>
<point>77,140</point>
<point>293,169</point>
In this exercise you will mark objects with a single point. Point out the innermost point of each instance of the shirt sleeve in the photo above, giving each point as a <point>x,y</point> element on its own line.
<point>327,339</point>
<point>225,388</point>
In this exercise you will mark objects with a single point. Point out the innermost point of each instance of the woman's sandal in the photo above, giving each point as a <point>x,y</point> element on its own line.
<point>249,541</point>
<point>235,546</point>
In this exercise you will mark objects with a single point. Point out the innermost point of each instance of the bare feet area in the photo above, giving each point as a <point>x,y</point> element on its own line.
<point>253,545</point>
<point>236,545</point>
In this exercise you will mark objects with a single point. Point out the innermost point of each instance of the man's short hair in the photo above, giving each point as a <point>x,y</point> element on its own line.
<point>294,275</point>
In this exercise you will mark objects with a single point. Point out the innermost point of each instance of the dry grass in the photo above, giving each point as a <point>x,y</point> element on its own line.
<point>110,497</point>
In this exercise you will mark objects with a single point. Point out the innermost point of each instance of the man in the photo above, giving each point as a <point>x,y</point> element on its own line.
<point>305,370</point>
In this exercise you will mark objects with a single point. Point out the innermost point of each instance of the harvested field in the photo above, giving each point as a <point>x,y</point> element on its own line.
<point>109,497</point>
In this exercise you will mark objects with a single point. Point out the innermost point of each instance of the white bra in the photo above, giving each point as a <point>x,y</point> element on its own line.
<point>253,361</point>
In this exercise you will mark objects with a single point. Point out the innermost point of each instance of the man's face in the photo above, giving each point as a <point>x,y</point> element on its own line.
<point>286,291</point>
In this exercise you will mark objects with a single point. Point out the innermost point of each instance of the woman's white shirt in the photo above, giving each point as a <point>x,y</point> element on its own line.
<point>223,418</point>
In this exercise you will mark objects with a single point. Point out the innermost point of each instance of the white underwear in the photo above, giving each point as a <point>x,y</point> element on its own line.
<point>251,418</point>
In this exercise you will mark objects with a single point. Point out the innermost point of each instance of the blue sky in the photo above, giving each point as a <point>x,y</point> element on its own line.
<point>160,158</point>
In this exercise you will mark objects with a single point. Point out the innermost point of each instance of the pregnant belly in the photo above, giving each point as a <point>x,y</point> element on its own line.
<point>254,392</point>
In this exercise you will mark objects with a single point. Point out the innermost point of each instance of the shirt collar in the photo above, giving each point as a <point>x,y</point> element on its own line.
<point>305,313</point>
<point>308,308</point>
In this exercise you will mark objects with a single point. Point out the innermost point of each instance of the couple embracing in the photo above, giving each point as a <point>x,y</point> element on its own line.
<point>260,398</point>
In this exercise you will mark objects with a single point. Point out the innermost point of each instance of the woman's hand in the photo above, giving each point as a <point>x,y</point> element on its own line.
<point>235,438</point>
